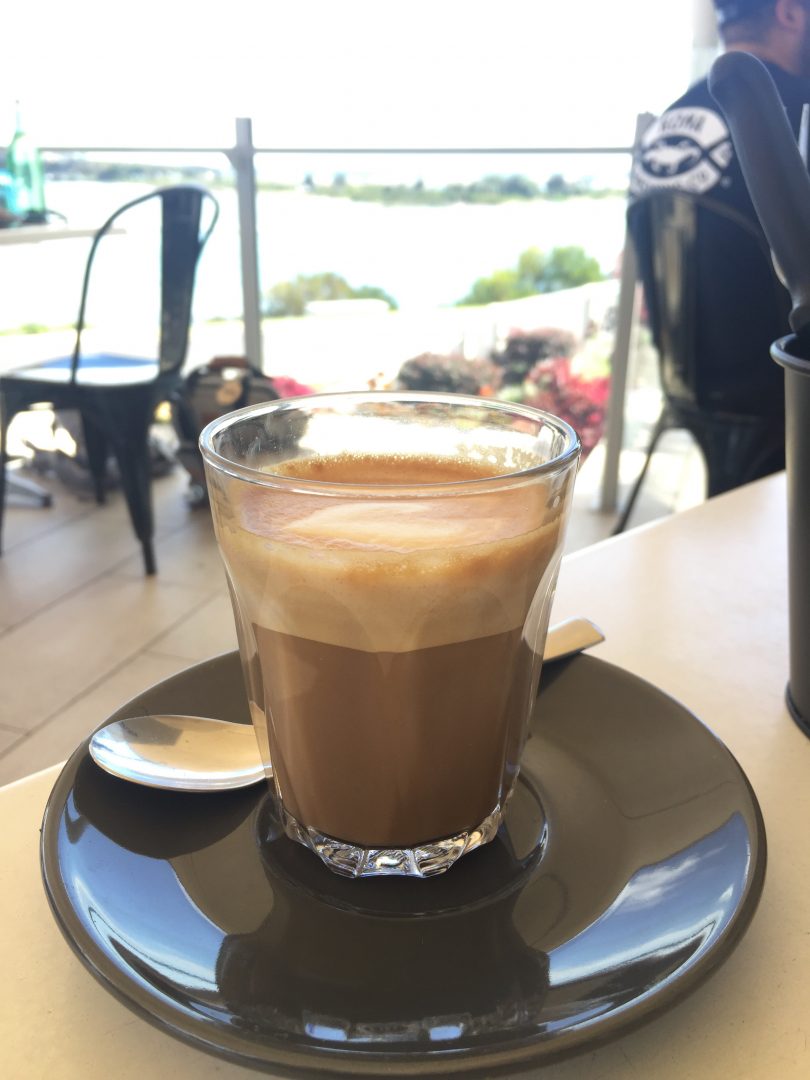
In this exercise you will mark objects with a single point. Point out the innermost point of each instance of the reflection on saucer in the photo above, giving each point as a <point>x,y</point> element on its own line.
<point>308,969</point>
<point>148,821</point>
<point>479,877</point>
<point>630,863</point>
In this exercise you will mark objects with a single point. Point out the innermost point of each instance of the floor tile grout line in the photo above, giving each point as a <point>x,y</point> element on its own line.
<point>90,506</point>
<point>48,531</point>
<point>158,654</point>
<point>69,595</point>
<point>88,509</point>
<point>129,659</point>
<point>109,571</point>
<point>192,611</point>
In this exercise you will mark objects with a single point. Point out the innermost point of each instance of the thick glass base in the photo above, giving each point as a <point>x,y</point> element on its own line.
<point>424,861</point>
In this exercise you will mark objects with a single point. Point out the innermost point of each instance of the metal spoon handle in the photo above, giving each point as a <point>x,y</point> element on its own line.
<point>569,637</point>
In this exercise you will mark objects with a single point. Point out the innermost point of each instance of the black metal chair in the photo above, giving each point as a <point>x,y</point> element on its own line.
<point>116,394</point>
<point>715,305</point>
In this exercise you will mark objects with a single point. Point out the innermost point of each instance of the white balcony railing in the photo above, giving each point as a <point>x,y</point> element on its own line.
<point>242,158</point>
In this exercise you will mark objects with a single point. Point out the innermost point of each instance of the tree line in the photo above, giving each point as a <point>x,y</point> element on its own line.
<point>535,272</point>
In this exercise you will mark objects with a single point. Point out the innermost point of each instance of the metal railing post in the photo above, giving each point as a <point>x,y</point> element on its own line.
<point>614,428</point>
<point>242,159</point>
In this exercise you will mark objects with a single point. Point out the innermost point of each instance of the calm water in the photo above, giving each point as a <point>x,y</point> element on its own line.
<point>424,257</point>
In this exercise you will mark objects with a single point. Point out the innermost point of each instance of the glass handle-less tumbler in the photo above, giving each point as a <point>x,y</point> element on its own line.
<point>392,560</point>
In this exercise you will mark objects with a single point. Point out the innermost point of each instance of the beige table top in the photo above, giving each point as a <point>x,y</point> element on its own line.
<point>35,234</point>
<point>695,604</point>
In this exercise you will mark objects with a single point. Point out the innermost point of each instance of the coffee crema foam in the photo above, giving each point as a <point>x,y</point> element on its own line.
<point>388,572</point>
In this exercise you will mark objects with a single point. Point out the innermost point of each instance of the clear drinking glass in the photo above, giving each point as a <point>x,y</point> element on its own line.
<point>391,560</point>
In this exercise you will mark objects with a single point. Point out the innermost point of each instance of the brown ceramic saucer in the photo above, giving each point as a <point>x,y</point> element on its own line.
<point>629,866</point>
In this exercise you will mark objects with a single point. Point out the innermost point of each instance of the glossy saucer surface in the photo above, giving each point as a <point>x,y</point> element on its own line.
<point>630,863</point>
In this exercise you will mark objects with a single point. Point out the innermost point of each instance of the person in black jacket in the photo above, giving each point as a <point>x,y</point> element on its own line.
<point>739,307</point>
<point>689,146</point>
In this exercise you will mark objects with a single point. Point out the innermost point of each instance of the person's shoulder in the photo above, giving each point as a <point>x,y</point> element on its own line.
<point>696,96</point>
<point>793,89</point>
<point>687,147</point>
<point>694,114</point>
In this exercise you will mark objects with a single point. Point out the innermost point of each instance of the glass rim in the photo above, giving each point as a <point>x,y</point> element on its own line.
<point>221,463</point>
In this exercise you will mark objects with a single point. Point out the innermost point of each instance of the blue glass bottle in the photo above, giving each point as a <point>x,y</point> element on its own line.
<point>25,167</point>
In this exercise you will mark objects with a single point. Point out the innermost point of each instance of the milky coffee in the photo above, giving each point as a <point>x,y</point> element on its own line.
<point>394,638</point>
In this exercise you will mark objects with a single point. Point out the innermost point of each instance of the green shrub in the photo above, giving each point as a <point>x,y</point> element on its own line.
<point>568,267</point>
<point>502,285</point>
<point>292,297</point>
<point>536,272</point>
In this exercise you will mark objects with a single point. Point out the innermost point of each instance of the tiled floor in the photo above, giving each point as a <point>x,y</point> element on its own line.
<point>81,628</point>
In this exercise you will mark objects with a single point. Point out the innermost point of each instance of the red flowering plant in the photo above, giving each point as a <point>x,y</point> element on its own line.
<point>579,399</point>
<point>286,386</point>
<point>549,370</point>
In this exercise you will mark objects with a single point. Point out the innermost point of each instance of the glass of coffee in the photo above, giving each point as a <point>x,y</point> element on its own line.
<point>391,560</point>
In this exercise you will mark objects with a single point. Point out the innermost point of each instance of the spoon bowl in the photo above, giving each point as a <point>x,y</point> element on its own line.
<point>180,753</point>
<point>198,753</point>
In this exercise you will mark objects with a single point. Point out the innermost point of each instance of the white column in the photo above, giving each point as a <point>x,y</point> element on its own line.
<point>614,428</point>
<point>243,164</point>
<point>705,39</point>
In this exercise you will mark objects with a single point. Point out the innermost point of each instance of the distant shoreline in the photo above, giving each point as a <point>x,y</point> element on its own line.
<point>425,257</point>
<point>489,190</point>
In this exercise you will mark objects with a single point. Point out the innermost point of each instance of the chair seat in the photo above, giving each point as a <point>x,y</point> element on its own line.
<point>95,369</point>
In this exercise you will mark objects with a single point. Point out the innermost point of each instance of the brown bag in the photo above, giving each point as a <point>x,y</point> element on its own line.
<point>224,384</point>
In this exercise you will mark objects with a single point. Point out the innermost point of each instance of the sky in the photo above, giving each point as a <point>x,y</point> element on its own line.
<point>423,73</point>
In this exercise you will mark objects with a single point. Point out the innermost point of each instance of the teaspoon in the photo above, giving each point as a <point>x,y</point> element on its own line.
<point>197,753</point>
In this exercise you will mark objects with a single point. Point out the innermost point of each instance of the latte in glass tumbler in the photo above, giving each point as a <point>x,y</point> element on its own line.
<point>391,560</point>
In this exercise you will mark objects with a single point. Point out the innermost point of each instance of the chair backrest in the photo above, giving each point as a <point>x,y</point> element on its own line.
<point>714,301</point>
<point>188,214</point>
